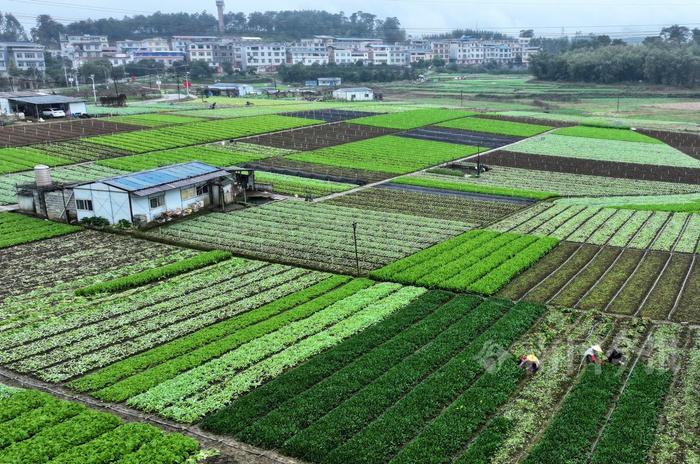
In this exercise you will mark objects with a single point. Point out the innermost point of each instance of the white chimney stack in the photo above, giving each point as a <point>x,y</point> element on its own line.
<point>220,8</point>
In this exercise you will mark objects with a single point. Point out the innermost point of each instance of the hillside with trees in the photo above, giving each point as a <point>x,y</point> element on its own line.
<point>671,58</point>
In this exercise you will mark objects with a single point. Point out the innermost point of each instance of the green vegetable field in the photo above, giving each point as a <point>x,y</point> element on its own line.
<point>406,280</point>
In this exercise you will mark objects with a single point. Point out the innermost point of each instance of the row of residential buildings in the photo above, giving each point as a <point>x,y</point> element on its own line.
<point>245,53</point>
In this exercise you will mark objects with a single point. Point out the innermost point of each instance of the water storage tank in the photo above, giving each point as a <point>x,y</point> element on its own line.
<point>43,175</point>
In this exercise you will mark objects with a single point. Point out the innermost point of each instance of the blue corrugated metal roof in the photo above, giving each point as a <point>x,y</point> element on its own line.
<point>160,176</point>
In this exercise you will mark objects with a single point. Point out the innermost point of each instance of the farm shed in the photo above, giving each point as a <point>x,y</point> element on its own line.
<point>162,193</point>
<point>32,106</point>
<point>231,90</point>
<point>354,94</point>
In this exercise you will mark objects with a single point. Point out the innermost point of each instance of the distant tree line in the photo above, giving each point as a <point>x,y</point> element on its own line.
<point>11,30</point>
<point>475,33</point>
<point>671,58</point>
<point>349,73</point>
<point>274,25</point>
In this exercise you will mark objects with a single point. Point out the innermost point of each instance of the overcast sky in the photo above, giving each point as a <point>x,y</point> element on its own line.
<point>547,17</point>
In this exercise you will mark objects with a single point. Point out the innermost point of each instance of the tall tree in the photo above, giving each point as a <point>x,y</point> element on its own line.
<point>391,30</point>
<point>676,34</point>
<point>11,29</point>
<point>47,31</point>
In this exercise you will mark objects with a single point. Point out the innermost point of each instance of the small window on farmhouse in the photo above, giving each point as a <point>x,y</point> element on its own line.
<point>157,202</point>
<point>187,193</point>
<point>202,190</point>
<point>84,205</point>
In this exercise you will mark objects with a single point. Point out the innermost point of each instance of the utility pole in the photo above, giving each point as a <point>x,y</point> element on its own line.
<point>187,83</point>
<point>77,87</point>
<point>94,93</point>
<point>357,256</point>
<point>177,78</point>
<point>618,103</point>
<point>461,98</point>
<point>65,74</point>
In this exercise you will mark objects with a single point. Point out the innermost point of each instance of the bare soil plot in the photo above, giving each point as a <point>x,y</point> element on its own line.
<point>25,134</point>
<point>593,168</point>
<point>330,115</point>
<point>686,142</point>
<point>443,134</point>
<point>51,262</point>
<point>526,120</point>
<point>653,284</point>
<point>445,206</point>
<point>311,138</point>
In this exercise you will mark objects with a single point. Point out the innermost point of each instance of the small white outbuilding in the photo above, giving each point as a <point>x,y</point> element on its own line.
<point>354,94</point>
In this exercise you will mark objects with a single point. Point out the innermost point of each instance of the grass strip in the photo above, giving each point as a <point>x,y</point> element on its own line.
<point>152,275</point>
<point>246,409</point>
<point>308,407</point>
<point>130,366</point>
<point>631,430</point>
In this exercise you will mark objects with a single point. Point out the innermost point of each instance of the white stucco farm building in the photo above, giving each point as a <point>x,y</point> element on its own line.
<point>176,190</point>
<point>354,94</point>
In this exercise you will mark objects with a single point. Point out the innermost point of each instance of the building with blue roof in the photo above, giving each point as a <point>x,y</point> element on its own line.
<point>161,193</point>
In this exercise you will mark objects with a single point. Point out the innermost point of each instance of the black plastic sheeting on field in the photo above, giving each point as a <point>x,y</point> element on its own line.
<point>330,115</point>
<point>461,137</point>
<point>469,195</point>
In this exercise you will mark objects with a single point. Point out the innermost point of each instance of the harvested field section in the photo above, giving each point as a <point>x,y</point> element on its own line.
<point>57,350</point>
<point>615,169</point>
<point>312,138</point>
<point>439,206</point>
<point>688,143</point>
<point>78,150</point>
<point>519,286</point>
<point>443,134</point>
<point>330,115</point>
<point>661,300</point>
<point>23,134</point>
<point>67,260</point>
<point>638,284</point>
<point>315,235</point>
<point>602,294</point>
<point>689,303</point>
<point>570,267</point>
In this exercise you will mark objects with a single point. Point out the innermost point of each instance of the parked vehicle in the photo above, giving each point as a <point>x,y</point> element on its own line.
<point>53,113</point>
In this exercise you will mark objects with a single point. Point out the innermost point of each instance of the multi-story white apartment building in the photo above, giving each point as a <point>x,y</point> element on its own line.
<point>307,56</point>
<point>393,55</point>
<point>155,44</point>
<point>441,49</point>
<point>23,56</point>
<point>471,51</point>
<point>263,56</point>
<point>181,43</point>
<point>201,51</point>
<point>117,57</point>
<point>339,55</point>
<point>83,48</point>
<point>167,58</point>
<point>419,54</point>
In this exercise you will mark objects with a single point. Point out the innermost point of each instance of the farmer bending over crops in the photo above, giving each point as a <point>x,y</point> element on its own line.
<point>529,362</point>
<point>594,354</point>
<point>616,357</point>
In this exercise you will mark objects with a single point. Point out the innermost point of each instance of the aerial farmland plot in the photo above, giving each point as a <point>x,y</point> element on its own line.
<point>356,323</point>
